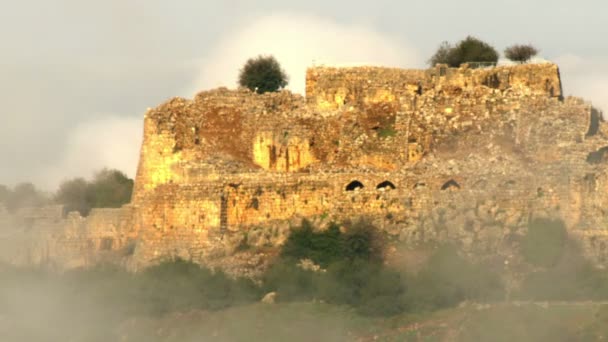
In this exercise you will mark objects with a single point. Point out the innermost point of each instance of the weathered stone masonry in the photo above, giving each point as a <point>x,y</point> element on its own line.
<point>466,155</point>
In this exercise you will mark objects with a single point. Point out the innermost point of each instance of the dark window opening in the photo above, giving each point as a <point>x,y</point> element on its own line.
<point>224,214</point>
<point>451,184</point>
<point>385,185</point>
<point>255,204</point>
<point>354,185</point>
<point>594,122</point>
<point>106,244</point>
<point>492,81</point>
<point>597,156</point>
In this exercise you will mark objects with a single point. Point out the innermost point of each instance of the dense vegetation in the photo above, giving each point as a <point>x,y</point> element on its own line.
<point>520,53</point>
<point>354,273</point>
<point>343,267</point>
<point>467,50</point>
<point>109,188</point>
<point>263,74</point>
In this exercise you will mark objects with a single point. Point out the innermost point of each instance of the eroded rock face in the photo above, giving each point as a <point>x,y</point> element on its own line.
<point>462,155</point>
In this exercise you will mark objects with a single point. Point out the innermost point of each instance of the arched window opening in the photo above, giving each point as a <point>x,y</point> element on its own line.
<point>594,122</point>
<point>450,185</point>
<point>354,185</point>
<point>386,185</point>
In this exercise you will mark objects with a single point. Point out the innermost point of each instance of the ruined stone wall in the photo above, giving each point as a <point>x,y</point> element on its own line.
<point>50,237</point>
<point>461,155</point>
<point>332,88</point>
<point>429,147</point>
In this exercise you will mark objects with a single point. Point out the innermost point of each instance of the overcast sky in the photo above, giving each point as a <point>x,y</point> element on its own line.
<point>78,75</point>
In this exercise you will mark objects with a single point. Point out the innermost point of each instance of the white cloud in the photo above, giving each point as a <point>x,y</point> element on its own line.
<point>586,78</point>
<point>297,42</point>
<point>111,142</point>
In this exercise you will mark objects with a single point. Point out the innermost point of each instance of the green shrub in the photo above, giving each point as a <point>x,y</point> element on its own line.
<point>520,53</point>
<point>448,279</point>
<point>191,287</point>
<point>363,241</point>
<point>544,243</point>
<point>322,248</point>
<point>291,282</point>
<point>108,189</point>
<point>467,50</point>
<point>355,274</point>
<point>571,278</point>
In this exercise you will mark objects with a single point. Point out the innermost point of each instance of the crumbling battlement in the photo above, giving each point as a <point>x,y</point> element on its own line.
<point>330,88</point>
<point>461,155</point>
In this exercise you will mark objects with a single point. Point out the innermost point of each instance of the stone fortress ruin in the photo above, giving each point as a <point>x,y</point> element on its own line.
<point>444,154</point>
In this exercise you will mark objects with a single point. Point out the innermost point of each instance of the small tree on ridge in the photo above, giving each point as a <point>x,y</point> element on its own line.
<point>520,53</point>
<point>262,74</point>
<point>467,50</point>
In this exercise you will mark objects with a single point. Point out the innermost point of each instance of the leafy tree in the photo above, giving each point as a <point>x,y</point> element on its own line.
<point>468,50</point>
<point>108,189</point>
<point>74,195</point>
<point>442,55</point>
<point>263,74</point>
<point>520,53</point>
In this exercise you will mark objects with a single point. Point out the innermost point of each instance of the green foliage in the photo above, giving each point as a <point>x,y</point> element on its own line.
<point>74,194</point>
<point>468,50</point>
<point>544,243</point>
<point>520,53</point>
<point>191,287</point>
<point>361,241</point>
<point>371,288</point>
<point>108,189</point>
<point>90,304</point>
<point>262,74</point>
<point>354,273</point>
<point>291,282</point>
<point>566,283</point>
<point>448,279</point>
<point>442,55</point>
<point>322,248</point>
<point>571,277</point>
